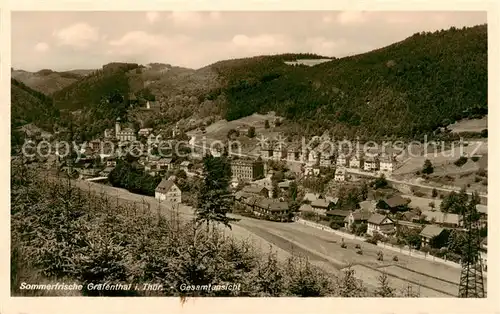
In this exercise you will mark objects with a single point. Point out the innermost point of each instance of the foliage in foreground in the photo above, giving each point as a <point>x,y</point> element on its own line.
<point>63,233</point>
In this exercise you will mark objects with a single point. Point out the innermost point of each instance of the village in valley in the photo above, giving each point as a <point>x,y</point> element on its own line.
<point>351,193</point>
<point>269,173</point>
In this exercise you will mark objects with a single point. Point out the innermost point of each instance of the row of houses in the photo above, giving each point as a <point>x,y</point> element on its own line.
<point>255,199</point>
<point>323,156</point>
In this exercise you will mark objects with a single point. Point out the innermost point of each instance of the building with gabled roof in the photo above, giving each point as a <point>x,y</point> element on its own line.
<point>430,232</point>
<point>378,223</point>
<point>168,191</point>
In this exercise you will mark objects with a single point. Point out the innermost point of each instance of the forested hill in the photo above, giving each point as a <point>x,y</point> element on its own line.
<point>406,89</point>
<point>30,106</point>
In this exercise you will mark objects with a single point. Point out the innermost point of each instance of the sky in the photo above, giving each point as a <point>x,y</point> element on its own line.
<point>87,40</point>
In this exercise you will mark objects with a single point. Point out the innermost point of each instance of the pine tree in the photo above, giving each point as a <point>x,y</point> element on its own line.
<point>428,168</point>
<point>214,198</point>
<point>384,290</point>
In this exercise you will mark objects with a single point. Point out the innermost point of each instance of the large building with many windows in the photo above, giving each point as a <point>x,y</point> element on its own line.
<point>247,170</point>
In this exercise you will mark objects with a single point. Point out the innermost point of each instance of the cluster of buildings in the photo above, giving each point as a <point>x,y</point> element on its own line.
<point>130,135</point>
<point>255,199</point>
<point>327,156</point>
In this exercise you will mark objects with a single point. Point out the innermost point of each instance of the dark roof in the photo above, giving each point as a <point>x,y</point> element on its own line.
<point>254,189</point>
<point>396,201</point>
<point>338,212</point>
<point>322,203</point>
<point>278,206</point>
<point>377,219</point>
<point>165,185</point>
<point>431,231</point>
<point>361,215</point>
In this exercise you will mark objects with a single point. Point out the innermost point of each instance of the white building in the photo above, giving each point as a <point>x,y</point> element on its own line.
<point>380,224</point>
<point>386,164</point>
<point>168,191</point>
<point>371,164</point>
<point>125,134</point>
<point>145,132</point>
<point>356,161</point>
<point>342,160</point>
<point>340,174</point>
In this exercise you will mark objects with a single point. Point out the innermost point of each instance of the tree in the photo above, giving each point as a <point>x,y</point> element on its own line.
<point>379,182</point>
<point>266,124</point>
<point>251,132</point>
<point>276,189</point>
<point>384,290</point>
<point>432,205</point>
<point>409,292</point>
<point>427,168</point>
<point>214,200</point>
<point>292,190</point>
<point>349,285</point>
<point>434,192</point>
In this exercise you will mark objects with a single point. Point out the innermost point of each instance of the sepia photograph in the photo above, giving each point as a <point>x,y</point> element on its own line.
<point>331,154</point>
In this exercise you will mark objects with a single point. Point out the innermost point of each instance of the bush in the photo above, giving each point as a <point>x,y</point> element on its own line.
<point>418,194</point>
<point>460,161</point>
<point>395,258</point>
<point>112,240</point>
<point>358,246</point>
<point>359,252</point>
<point>343,245</point>
<point>425,249</point>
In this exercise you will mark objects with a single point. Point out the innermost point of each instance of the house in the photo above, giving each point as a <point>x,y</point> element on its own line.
<point>284,186</point>
<point>356,161</point>
<point>371,163</point>
<point>311,197</point>
<point>326,156</point>
<point>340,174</point>
<point>342,160</point>
<point>95,145</point>
<point>145,132</point>
<point>306,208</point>
<point>168,191</point>
<point>272,209</point>
<point>293,153</point>
<point>338,216</point>
<point>266,150</point>
<point>395,203</point>
<point>164,164</point>
<point>320,206</point>
<point>256,190</point>
<point>429,233</point>
<point>266,182</point>
<point>124,135</point>
<point>313,156</point>
<point>386,164</point>
<point>247,169</point>
<point>279,152</point>
<point>357,217</point>
<point>186,166</point>
<point>448,220</point>
<point>378,223</point>
<point>311,170</point>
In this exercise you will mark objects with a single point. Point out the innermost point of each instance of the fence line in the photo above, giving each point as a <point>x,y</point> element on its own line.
<point>401,250</point>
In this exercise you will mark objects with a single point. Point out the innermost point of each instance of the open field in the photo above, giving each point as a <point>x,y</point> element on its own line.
<point>321,247</point>
<point>472,125</point>
<point>441,157</point>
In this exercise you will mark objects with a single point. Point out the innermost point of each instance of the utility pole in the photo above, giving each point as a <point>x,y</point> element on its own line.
<point>471,277</point>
